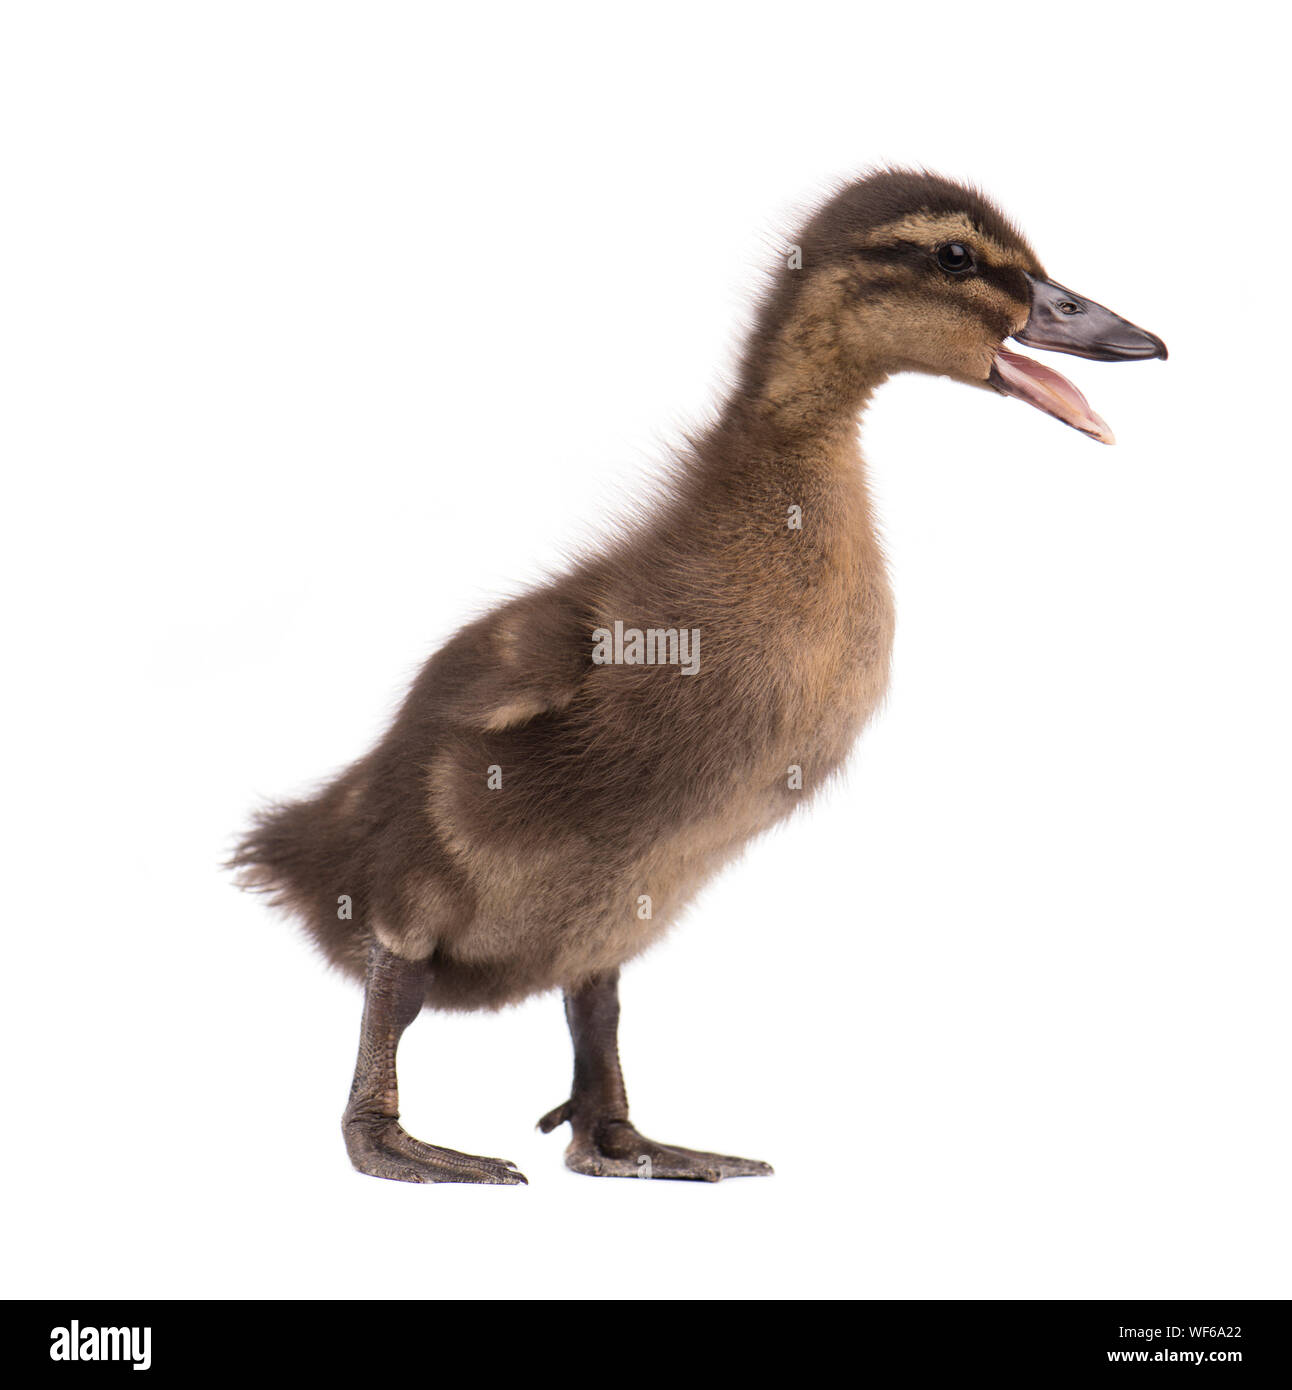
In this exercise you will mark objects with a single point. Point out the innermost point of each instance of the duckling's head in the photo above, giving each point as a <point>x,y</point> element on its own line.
<point>907,271</point>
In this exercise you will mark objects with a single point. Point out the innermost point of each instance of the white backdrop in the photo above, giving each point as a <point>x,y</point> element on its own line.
<point>325,324</point>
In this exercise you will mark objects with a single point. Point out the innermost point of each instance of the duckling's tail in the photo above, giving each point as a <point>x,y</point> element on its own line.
<point>305,856</point>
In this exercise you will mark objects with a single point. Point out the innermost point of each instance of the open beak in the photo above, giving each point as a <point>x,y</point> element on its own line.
<point>1061,321</point>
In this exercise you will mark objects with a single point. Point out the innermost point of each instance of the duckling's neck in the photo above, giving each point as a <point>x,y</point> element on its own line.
<point>787,434</point>
<point>793,418</point>
<point>787,467</point>
<point>802,413</point>
<point>800,377</point>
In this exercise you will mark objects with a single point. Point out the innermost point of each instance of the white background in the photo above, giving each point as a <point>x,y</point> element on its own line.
<point>325,324</point>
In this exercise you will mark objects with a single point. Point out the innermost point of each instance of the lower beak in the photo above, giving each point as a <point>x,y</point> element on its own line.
<point>1061,321</point>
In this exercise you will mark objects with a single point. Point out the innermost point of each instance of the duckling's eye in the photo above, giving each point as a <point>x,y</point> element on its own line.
<point>954,258</point>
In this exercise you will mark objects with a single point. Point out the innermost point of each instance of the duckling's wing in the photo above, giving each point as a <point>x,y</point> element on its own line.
<point>525,659</point>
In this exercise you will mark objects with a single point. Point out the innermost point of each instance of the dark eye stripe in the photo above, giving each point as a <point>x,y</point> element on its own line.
<point>1008,278</point>
<point>894,253</point>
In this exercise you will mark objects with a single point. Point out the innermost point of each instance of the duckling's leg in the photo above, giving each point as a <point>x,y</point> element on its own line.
<point>395,992</point>
<point>605,1143</point>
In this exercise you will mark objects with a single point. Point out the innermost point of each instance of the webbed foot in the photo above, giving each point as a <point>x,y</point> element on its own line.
<point>382,1149</point>
<point>615,1149</point>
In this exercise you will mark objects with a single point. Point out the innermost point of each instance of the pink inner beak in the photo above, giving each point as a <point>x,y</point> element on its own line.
<point>1049,391</point>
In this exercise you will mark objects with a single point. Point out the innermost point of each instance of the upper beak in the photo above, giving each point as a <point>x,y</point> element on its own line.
<point>1064,322</point>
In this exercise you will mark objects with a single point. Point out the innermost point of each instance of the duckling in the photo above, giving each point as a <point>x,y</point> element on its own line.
<point>569,770</point>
